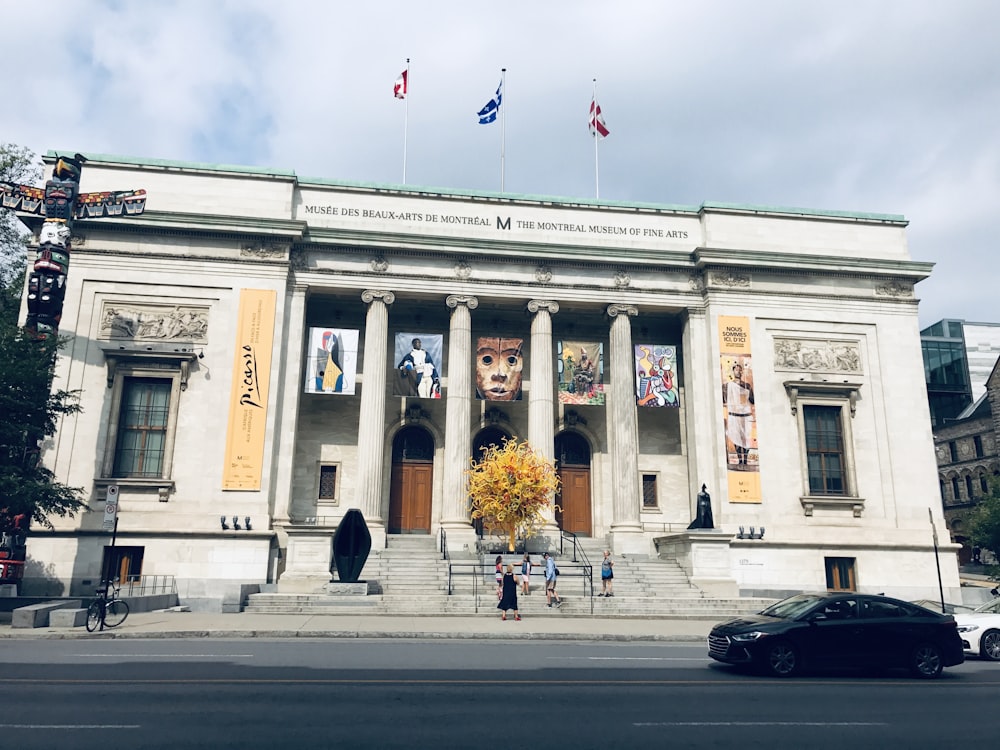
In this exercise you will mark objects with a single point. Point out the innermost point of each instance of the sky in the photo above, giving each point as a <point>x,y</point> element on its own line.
<point>874,106</point>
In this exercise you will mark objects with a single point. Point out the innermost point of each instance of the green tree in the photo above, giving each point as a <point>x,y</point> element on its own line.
<point>984,520</point>
<point>30,407</point>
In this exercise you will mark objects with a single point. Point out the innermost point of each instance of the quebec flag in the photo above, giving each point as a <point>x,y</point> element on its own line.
<point>488,113</point>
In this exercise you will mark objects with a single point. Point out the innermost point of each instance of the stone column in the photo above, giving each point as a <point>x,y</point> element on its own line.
<point>700,366</point>
<point>285,425</point>
<point>623,433</point>
<point>455,518</point>
<point>371,431</point>
<point>541,404</point>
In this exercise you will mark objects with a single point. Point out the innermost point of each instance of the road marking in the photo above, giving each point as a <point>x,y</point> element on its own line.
<point>632,658</point>
<point>117,655</point>
<point>760,724</point>
<point>70,726</point>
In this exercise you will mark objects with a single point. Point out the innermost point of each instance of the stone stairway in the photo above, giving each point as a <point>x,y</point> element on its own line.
<point>409,577</point>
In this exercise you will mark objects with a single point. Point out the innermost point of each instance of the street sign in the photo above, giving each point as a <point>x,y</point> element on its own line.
<point>111,508</point>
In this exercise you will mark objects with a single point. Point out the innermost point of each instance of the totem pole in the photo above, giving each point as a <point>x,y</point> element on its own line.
<point>60,202</point>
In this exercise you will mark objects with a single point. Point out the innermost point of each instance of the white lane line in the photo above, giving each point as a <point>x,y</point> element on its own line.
<point>70,726</point>
<point>760,724</point>
<point>628,658</point>
<point>117,655</point>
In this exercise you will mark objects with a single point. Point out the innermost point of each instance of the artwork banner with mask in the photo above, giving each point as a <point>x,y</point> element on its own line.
<point>499,368</point>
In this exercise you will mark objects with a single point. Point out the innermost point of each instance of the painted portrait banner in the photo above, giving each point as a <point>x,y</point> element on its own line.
<point>499,368</point>
<point>655,375</point>
<point>248,398</point>
<point>418,357</point>
<point>332,361</point>
<point>580,365</point>
<point>739,411</point>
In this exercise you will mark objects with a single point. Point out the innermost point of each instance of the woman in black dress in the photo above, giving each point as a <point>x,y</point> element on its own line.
<point>508,597</point>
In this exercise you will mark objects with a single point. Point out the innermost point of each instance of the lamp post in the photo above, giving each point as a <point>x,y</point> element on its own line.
<point>937,561</point>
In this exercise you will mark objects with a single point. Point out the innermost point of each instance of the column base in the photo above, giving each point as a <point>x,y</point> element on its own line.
<point>629,540</point>
<point>460,538</point>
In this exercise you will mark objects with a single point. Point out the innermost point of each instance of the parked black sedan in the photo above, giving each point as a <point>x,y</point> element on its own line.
<point>839,630</point>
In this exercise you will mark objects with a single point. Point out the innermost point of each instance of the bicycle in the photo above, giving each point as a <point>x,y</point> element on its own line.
<point>106,611</point>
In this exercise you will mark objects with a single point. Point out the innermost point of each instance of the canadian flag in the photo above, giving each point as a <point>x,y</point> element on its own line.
<point>399,90</point>
<point>597,127</point>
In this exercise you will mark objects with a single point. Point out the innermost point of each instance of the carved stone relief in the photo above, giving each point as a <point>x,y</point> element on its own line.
<point>260,250</point>
<point>731,279</point>
<point>380,264</point>
<point>622,279</point>
<point>463,270</point>
<point>817,355</point>
<point>894,289</point>
<point>150,322</point>
<point>543,274</point>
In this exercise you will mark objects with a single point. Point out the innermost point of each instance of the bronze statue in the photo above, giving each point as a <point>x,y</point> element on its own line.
<point>703,518</point>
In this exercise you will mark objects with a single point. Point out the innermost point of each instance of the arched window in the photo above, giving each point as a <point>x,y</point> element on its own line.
<point>413,444</point>
<point>968,486</point>
<point>956,495</point>
<point>984,484</point>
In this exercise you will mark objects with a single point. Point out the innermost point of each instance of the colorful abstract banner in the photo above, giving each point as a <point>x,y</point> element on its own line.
<point>248,399</point>
<point>332,361</point>
<point>739,411</point>
<point>581,372</point>
<point>417,357</point>
<point>499,368</point>
<point>655,375</point>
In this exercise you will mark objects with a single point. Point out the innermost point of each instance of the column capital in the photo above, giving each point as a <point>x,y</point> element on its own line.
<point>454,300</point>
<point>543,304</point>
<point>629,310</point>
<point>370,295</point>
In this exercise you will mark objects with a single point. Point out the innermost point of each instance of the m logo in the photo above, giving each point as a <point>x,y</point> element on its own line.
<point>501,224</point>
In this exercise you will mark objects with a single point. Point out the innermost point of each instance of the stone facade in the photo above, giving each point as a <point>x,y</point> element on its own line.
<point>159,310</point>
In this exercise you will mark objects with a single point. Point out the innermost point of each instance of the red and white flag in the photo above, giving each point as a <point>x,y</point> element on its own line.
<point>597,127</point>
<point>399,90</point>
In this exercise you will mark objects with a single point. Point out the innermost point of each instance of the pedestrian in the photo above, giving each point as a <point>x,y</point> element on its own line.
<point>526,574</point>
<point>551,571</point>
<point>607,575</point>
<point>509,598</point>
<point>499,575</point>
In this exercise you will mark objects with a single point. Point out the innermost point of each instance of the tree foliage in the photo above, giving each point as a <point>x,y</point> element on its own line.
<point>984,520</point>
<point>510,487</point>
<point>30,408</point>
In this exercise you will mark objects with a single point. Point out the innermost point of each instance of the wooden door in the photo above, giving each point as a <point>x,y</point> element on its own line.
<point>410,498</point>
<point>574,498</point>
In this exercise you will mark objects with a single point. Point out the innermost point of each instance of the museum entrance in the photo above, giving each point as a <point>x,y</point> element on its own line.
<point>412,482</point>
<point>573,466</point>
<point>486,438</point>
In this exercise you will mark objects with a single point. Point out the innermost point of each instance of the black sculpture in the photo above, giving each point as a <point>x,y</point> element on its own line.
<point>703,519</point>
<point>351,544</point>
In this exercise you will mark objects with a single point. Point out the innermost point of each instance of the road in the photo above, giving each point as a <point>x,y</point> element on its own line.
<point>353,693</point>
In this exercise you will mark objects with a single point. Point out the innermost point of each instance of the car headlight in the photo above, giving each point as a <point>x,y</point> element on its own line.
<point>967,628</point>
<point>752,636</point>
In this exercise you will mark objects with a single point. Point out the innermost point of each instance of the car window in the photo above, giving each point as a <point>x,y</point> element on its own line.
<point>992,607</point>
<point>793,606</point>
<point>883,609</point>
<point>839,609</point>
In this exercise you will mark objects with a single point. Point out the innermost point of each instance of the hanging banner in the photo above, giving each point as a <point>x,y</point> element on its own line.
<point>499,368</point>
<point>417,357</point>
<point>655,375</point>
<point>739,412</point>
<point>332,361</point>
<point>580,366</point>
<point>248,399</point>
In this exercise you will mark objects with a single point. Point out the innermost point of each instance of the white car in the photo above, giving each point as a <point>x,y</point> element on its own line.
<point>980,630</point>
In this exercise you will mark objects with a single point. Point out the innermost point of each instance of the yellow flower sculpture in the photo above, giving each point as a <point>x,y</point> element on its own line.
<point>509,488</point>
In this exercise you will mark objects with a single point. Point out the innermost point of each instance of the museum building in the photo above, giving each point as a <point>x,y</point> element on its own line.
<point>259,352</point>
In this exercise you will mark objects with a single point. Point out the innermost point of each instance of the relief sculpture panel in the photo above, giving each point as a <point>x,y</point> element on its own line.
<point>148,322</point>
<point>817,355</point>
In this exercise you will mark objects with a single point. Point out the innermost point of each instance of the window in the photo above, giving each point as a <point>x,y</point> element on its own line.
<point>824,413</point>
<point>953,448</point>
<point>328,483</point>
<point>142,428</point>
<point>840,574</point>
<point>954,488</point>
<point>145,390</point>
<point>649,495</point>
<point>978,443</point>
<point>824,449</point>
<point>984,484</point>
<point>968,487</point>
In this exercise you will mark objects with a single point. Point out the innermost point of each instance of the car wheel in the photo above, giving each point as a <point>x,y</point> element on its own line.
<point>925,662</point>
<point>781,659</point>
<point>989,645</point>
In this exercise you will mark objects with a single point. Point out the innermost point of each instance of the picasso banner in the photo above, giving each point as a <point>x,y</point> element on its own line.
<point>332,361</point>
<point>655,375</point>
<point>739,412</point>
<point>248,400</point>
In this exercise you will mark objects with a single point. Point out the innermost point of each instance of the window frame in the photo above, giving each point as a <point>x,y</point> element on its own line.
<point>148,364</point>
<point>832,566</point>
<point>328,502</point>
<point>844,396</point>
<point>655,476</point>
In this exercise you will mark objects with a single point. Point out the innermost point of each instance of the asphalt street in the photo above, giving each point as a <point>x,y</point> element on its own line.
<point>389,693</point>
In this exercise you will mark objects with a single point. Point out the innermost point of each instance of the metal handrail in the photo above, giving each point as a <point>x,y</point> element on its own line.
<point>148,585</point>
<point>586,566</point>
<point>456,569</point>
<point>444,545</point>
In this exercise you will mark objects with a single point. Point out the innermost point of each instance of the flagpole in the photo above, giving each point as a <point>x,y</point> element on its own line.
<point>503,126</point>
<point>406,115</point>
<point>597,173</point>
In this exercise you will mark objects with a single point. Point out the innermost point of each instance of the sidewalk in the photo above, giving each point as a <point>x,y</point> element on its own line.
<point>171,624</point>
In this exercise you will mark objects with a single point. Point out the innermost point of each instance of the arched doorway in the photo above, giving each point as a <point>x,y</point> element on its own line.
<point>573,463</point>
<point>486,437</point>
<point>412,481</point>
